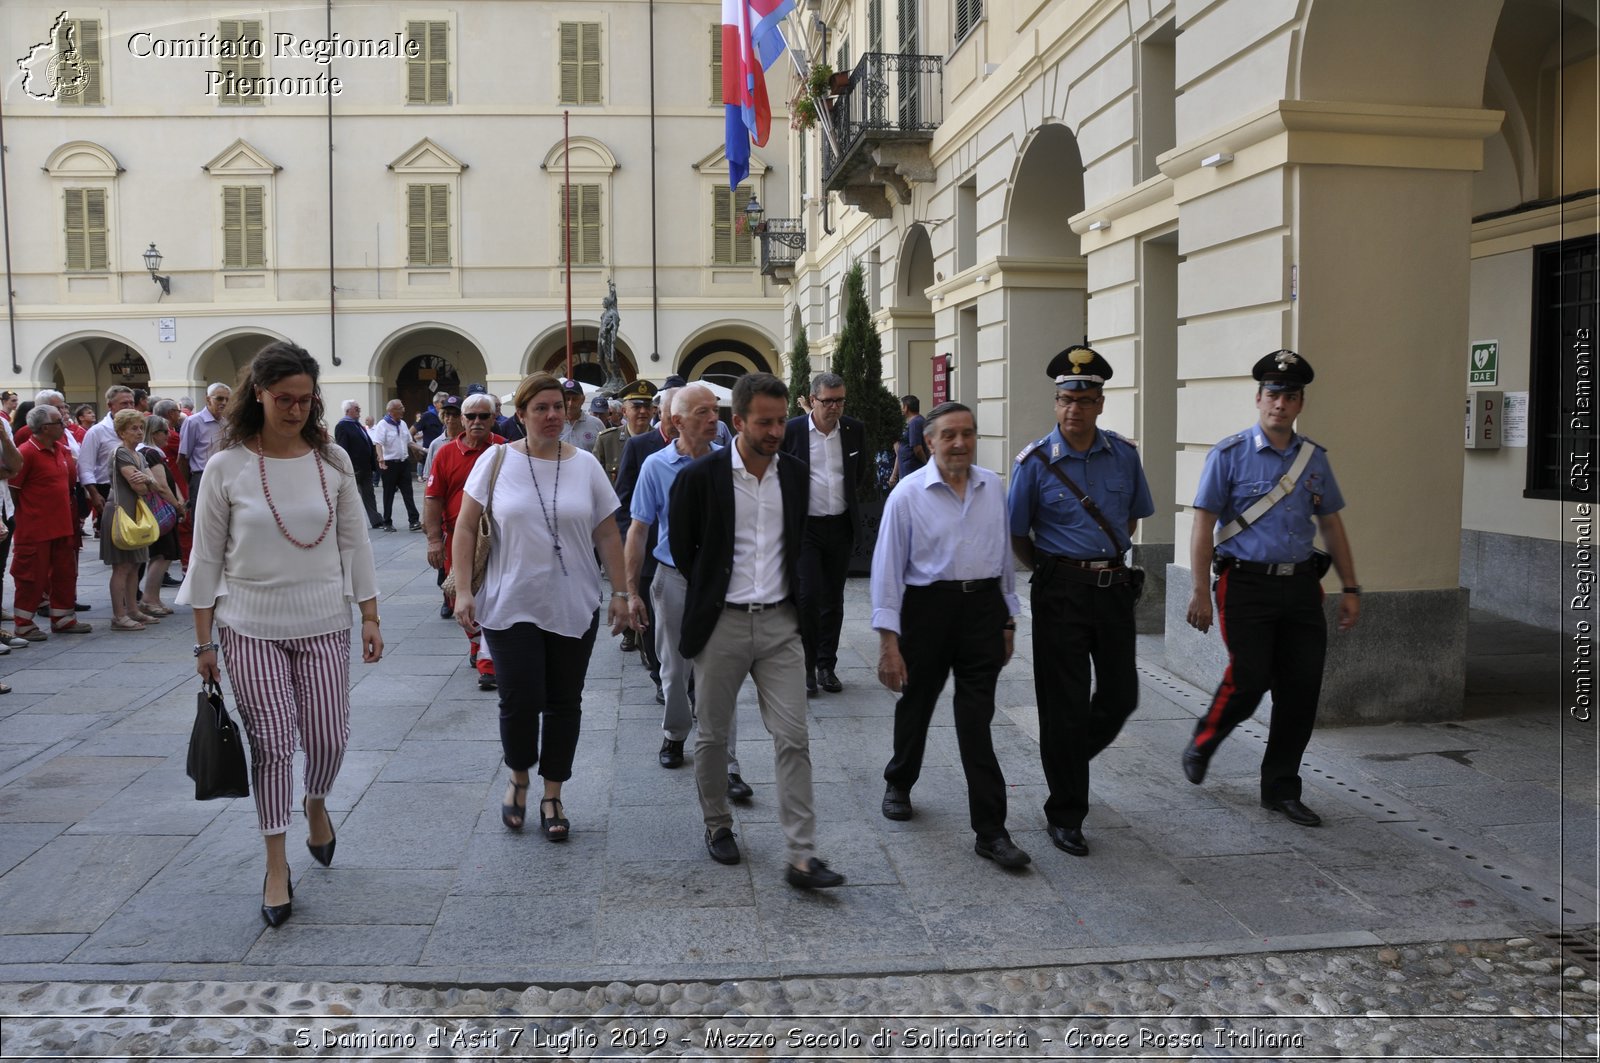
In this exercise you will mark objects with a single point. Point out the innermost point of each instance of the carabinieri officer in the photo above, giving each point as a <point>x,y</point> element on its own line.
<point>1076,498</point>
<point>1263,494</point>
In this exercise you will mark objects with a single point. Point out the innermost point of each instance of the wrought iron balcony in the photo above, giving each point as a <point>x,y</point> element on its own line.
<point>882,123</point>
<point>783,240</point>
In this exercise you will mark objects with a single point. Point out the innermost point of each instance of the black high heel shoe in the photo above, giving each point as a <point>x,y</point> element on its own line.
<point>276,914</point>
<point>322,854</point>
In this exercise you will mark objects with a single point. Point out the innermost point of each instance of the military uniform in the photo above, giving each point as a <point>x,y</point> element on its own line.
<point>608,448</point>
<point>1268,593</point>
<point>1082,594</point>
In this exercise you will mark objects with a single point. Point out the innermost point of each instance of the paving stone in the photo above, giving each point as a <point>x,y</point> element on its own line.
<point>410,825</point>
<point>73,884</point>
<point>685,934</point>
<point>440,762</point>
<point>482,930</point>
<point>18,841</point>
<point>150,927</point>
<point>38,948</point>
<point>69,787</point>
<point>310,943</point>
<point>1286,894</point>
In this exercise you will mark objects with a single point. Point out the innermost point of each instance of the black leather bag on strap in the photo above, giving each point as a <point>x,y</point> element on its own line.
<point>216,750</point>
<point>1135,573</point>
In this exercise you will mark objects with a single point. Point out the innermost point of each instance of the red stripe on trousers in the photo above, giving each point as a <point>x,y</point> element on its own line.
<point>1224,692</point>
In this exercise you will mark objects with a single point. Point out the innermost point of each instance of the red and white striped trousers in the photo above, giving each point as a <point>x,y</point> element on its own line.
<point>284,686</point>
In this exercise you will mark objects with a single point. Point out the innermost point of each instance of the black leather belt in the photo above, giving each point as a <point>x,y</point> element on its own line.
<point>965,586</point>
<point>1307,567</point>
<point>1096,573</point>
<point>755,607</point>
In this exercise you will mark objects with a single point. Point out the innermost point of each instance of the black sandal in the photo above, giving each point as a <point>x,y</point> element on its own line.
<point>555,827</point>
<point>518,812</point>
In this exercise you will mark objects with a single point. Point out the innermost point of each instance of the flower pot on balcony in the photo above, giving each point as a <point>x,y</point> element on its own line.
<point>839,82</point>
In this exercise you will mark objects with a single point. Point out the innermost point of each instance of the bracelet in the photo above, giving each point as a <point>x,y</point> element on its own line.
<point>205,647</point>
<point>622,594</point>
<point>1009,625</point>
<point>1355,590</point>
<point>372,620</point>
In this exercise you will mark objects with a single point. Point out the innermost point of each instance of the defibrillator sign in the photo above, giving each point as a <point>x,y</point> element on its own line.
<point>1483,367</point>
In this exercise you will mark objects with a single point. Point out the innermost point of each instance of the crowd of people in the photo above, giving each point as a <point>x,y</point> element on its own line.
<point>717,555</point>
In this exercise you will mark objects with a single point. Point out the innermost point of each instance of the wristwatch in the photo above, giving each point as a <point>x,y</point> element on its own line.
<point>1355,590</point>
<point>201,647</point>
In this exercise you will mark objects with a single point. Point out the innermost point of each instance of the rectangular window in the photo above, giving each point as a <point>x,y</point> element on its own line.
<point>244,225</point>
<point>1562,405</point>
<point>245,64</point>
<point>428,225</point>
<point>968,12</point>
<point>76,53</point>
<point>585,221</point>
<point>428,73</point>
<point>716,64</point>
<point>87,242</point>
<point>731,242</point>
<point>580,62</point>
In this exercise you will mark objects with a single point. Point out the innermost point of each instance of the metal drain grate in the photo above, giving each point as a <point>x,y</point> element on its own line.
<point>1575,949</point>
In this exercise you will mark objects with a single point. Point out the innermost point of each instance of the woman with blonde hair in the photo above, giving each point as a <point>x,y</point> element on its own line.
<point>164,550</point>
<point>280,551</point>
<point>551,507</point>
<point>130,483</point>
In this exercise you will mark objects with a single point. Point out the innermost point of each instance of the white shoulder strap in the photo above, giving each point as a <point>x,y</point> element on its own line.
<point>1280,490</point>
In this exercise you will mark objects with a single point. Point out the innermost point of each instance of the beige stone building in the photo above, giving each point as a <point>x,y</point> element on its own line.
<point>1380,185</point>
<point>380,183</point>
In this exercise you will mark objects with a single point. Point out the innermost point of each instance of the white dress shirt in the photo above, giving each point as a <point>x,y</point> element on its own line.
<point>928,534</point>
<point>94,453</point>
<point>393,440</point>
<point>827,471</point>
<point>758,572</point>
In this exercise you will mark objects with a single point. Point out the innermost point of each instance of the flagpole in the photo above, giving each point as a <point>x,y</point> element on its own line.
<point>823,118</point>
<point>566,222</point>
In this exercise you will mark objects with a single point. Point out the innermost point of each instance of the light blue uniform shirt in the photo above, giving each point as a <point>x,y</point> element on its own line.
<point>928,534</point>
<point>1241,469</point>
<point>1110,474</point>
<point>651,493</point>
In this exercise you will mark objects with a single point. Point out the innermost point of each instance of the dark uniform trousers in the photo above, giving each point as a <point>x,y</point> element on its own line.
<point>397,477</point>
<point>943,631</point>
<point>824,563</point>
<point>1075,624</point>
<point>369,499</point>
<point>1277,639</point>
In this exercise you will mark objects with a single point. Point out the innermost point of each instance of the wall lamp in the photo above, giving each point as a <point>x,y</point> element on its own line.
<point>1099,225</point>
<point>1218,159</point>
<point>152,262</point>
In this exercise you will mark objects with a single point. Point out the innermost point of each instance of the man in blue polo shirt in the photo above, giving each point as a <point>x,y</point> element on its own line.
<point>1074,537</point>
<point>694,413</point>
<point>1263,496</point>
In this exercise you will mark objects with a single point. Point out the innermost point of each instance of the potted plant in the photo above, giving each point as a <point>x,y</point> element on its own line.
<point>808,98</point>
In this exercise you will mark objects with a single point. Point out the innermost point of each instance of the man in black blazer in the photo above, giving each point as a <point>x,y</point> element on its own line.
<point>634,451</point>
<point>735,524</point>
<point>352,436</point>
<point>830,445</point>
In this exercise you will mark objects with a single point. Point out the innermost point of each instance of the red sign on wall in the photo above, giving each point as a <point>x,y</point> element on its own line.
<point>941,378</point>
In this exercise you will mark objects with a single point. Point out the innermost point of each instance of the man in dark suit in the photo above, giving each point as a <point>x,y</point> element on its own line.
<point>350,435</point>
<point>736,524</point>
<point>634,451</point>
<point>829,444</point>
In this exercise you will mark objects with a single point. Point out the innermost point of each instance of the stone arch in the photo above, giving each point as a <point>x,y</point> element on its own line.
<point>548,352</point>
<point>914,270</point>
<point>744,347</point>
<point>426,353</point>
<point>1433,53</point>
<point>78,365</point>
<point>223,356</point>
<point>1046,189</point>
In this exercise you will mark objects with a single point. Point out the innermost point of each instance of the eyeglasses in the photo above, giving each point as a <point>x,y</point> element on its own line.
<point>285,403</point>
<point>827,402</point>
<point>1081,401</point>
<point>478,416</point>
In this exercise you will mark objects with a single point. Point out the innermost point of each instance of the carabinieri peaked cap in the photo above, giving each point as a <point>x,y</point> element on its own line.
<point>1079,366</point>
<point>1283,371</point>
<point>638,391</point>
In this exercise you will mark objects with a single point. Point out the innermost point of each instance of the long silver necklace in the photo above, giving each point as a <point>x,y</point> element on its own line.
<point>551,515</point>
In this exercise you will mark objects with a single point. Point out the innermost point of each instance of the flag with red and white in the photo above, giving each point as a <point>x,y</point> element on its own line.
<point>751,43</point>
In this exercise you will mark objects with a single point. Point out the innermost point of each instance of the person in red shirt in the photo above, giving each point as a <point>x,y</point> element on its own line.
<point>44,556</point>
<point>441,499</point>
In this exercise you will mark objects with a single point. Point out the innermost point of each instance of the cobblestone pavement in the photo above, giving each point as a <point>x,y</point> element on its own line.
<point>1423,919</point>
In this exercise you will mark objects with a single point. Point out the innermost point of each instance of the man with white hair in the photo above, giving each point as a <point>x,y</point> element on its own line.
<point>694,412</point>
<point>186,404</point>
<point>201,434</point>
<point>97,446</point>
<point>350,435</point>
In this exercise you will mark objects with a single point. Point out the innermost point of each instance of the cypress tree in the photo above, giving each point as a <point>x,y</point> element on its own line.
<point>799,367</point>
<point>858,358</point>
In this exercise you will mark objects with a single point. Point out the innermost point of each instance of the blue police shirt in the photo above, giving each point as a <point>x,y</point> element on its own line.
<point>654,489</point>
<point>1110,474</point>
<point>1241,469</point>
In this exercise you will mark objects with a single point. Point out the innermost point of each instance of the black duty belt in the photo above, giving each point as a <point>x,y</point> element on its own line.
<point>1096,573</point>
<point>965,586</point>
<point>1307,567</point>
<point>755,607</point>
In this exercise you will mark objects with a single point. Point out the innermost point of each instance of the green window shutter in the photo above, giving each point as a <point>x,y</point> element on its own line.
<point>731,242</point>
<point>589,225</point>
<point>255,227</point>
<point>417,68</point>
<point>874,25</point>
<point>243,30</point>
<point>716,64</point>
<point>438,225</point>
<point>76,225</point>
<point>428,74</point>
<point>95,218</point>
<point>589,62</point>
<point>84,222</point>
<point>417,225</point>
<point>82,37</point>
<point>232,226</point>
<point>569,62</point>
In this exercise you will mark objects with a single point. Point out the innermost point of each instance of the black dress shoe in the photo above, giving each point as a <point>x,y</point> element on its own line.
<point>816,876</point>
<point>1297,813</point>
<point>738,789</point>
<point>721,846</point>
<point>168,581</point>
<point>811,681</point>
<point>276,914</point>
<point>322,854</point>
<point>630,641</point>
<point>671,755</point>
<point>828,681</point>
<point>487,682</point>
<point>81,607</point>
<point>1194,765</point>
<point>1069,840</point>
<point>896,803</point>
<point>445,612</point>
<point>1002,851</point>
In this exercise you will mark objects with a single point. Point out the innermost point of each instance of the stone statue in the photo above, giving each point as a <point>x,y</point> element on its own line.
<point>610,321</point>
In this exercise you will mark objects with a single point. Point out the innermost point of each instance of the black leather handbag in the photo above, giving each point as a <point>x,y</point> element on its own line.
<point>216,750</point>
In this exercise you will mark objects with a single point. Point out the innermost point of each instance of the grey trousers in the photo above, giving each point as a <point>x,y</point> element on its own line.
<point>667,593</point>
<point>765,646</point>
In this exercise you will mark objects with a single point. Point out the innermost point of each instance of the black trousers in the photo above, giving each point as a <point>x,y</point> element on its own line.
<point>1277,641</point>
<point>647,576</point>
<point>540,676</point>
<point>369,499</point>
<point>397,477</point>
<point>1076,625</point>
<point>824,563</point>
<point>944,631</point>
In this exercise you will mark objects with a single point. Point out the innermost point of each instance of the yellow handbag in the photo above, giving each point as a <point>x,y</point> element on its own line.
<point>135,532</point>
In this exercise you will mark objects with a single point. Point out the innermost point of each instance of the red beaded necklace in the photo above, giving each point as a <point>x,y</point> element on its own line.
<point>261,463</point>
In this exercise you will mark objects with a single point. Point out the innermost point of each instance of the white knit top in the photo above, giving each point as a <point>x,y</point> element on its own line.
<point>260,583</point>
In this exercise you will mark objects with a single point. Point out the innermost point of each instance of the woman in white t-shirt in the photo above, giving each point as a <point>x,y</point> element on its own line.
<point>553,506</point>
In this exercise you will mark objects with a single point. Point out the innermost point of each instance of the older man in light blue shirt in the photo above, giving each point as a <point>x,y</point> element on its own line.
<point>943,598</point>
